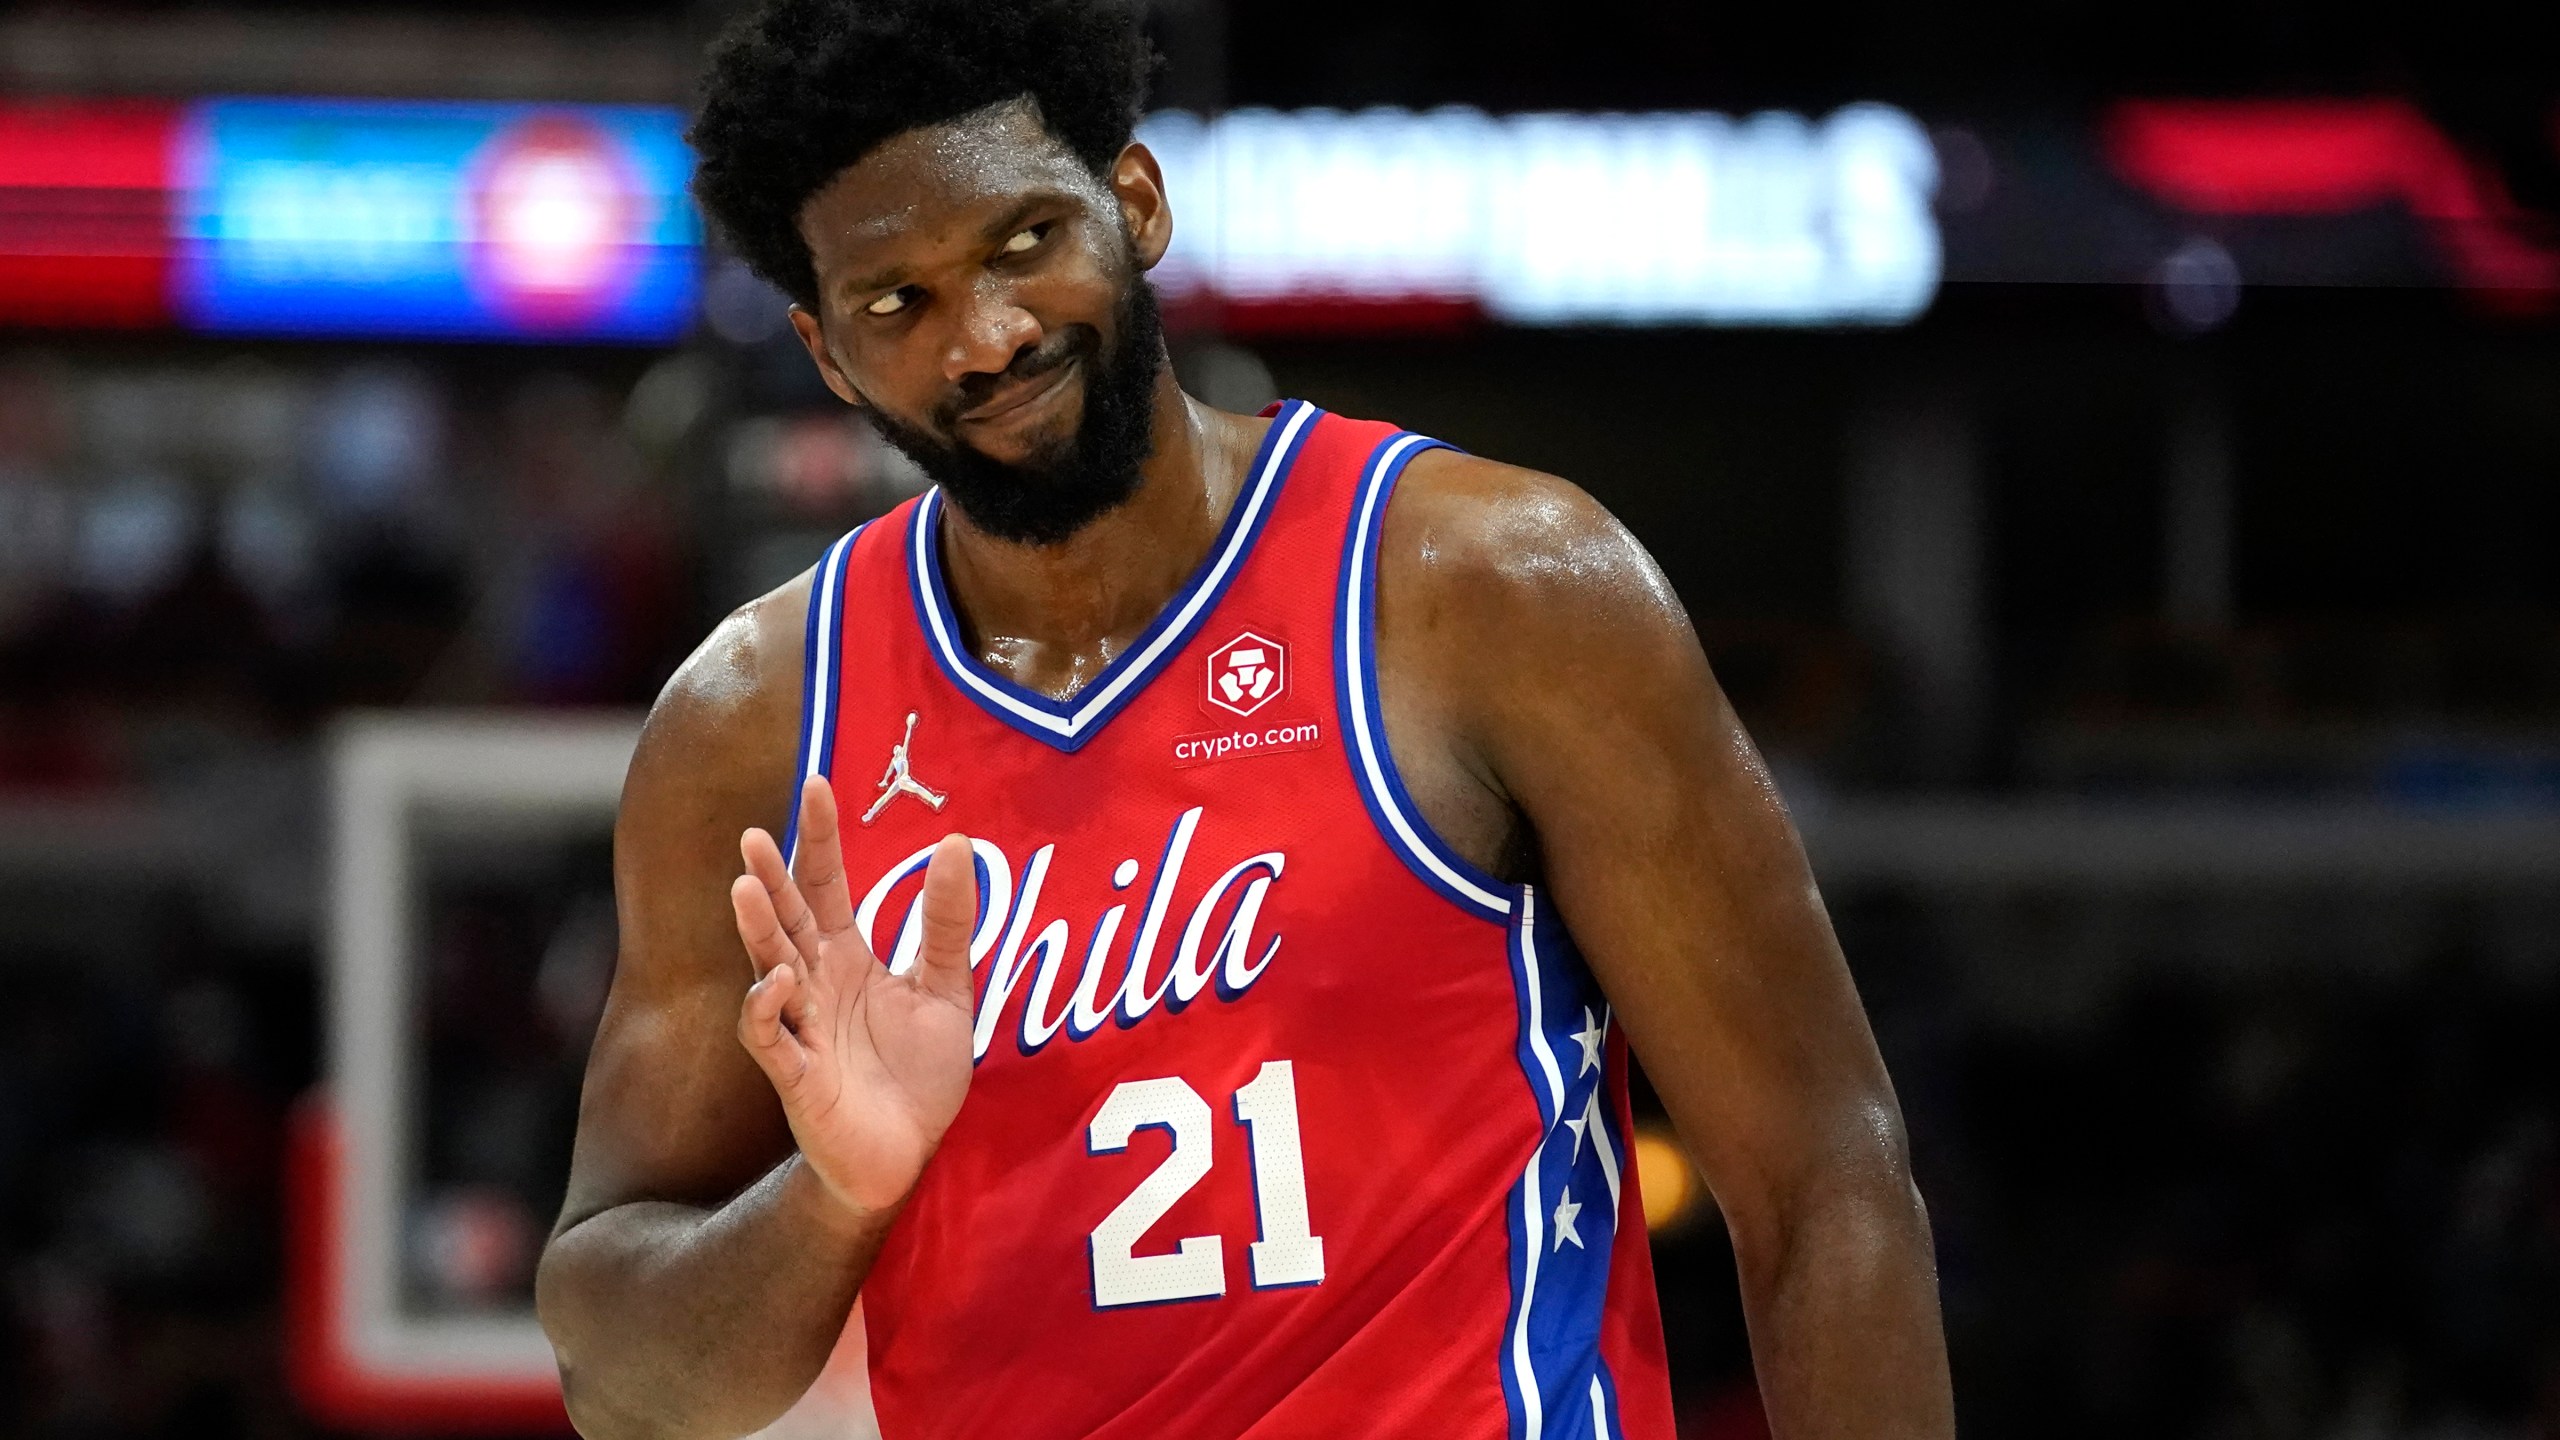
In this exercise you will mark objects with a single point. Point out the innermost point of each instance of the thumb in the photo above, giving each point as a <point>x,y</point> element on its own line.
<point>950,903</point>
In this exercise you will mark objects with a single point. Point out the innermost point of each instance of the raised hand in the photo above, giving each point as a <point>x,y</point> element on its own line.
<point>871,1067</point>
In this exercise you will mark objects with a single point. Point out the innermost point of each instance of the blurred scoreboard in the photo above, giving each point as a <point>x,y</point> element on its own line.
<point>301,217</point>
<point>1316,219</point>
<point>564,223</point>
<point>466,220</point>
<point>557,223</point>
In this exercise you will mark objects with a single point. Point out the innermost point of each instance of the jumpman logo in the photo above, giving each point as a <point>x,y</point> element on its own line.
<point>896,781</point>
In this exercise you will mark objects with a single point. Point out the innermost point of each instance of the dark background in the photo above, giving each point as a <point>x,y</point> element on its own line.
<point>2213,1156</point>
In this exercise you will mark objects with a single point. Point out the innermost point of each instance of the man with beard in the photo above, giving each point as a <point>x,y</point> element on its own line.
<point>1232,1070</point>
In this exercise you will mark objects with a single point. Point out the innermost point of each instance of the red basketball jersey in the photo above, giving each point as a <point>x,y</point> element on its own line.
<point>1287,1120</point>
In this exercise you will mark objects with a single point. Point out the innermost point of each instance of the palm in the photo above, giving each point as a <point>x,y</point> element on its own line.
<point>881,1081</point>
<point>870,1066</point>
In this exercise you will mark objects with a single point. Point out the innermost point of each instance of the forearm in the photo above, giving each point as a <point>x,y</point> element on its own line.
<point>1842,1298</point>
<point>677,1323</point>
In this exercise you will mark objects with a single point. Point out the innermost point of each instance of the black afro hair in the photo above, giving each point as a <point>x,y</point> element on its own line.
<point>801,89</point>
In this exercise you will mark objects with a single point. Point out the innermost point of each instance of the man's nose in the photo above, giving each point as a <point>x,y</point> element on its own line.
<point>992,330</point>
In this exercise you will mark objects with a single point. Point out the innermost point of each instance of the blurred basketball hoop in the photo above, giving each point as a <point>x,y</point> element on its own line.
<point>470,942</point>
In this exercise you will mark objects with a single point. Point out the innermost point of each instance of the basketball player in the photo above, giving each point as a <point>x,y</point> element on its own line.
<point>1192,991</point>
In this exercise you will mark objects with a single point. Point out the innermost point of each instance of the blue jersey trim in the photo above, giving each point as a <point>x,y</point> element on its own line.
<point>1373,767</point>
<point>1604,1405</point>
<point>1563,1213</point>
<point>1067,724</point>
<point>1620,1159</point>
<point>1553,1379</point>
<point>821,684</point>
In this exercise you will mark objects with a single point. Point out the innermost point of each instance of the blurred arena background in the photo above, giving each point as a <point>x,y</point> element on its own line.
<point>2112,456</point>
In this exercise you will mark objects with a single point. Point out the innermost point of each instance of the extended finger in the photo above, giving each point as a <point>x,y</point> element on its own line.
<point>767,943</point>
<point>819,862</point>
<point>764,862</point>
<point>950,904</point>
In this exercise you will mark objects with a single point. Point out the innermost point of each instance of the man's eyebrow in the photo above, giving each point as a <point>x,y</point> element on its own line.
<point>876,280</point>
<point>1002,227</point>
<point>1005,226</point>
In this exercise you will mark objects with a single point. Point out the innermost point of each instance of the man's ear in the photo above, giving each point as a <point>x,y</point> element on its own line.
<point>814,340</point>
<point>1137,182</point>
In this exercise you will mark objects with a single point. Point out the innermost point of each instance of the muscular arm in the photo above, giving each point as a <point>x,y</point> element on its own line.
<point>1554,679</point>
<point>700,1273</point>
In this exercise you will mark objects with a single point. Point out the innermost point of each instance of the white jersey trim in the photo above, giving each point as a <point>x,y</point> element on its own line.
<point>1372,766</point>
<point>1069,723</point>
<point>820,682</point>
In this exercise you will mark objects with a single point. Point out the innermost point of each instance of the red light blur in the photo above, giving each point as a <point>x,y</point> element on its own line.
<point>85,223</point>
<point>2330,157</point>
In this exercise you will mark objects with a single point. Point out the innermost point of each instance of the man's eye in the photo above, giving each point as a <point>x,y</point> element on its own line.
<point>889,304</point>
<point>1024,240</point>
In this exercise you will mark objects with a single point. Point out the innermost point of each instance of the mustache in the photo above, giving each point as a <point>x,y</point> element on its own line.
<point>1070,480</point>
<point>1071,343</point>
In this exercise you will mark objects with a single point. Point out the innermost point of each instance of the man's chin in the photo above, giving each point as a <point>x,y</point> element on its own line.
<point>1033,511</point>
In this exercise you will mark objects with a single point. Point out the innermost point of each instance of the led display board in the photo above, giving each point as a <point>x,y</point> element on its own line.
<point>464,220</point>
<point>423,219</point>
<point>1690,219</point>
<point>571,223</point>
<point>350,218</point>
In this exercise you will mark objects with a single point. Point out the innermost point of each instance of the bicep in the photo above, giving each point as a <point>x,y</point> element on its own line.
<point>1669,854</point>
<point>673,1108</point>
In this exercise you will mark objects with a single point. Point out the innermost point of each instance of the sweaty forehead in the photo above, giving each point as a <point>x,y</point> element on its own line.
<point>936,181</point>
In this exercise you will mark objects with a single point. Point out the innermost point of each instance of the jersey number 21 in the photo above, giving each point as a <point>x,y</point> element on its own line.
<point>1286,1254</point>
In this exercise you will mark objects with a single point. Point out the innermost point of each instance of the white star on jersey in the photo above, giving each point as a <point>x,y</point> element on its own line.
<point>1590,1037</point>
<point>1589,1116</point>
<point>1566,1209</point>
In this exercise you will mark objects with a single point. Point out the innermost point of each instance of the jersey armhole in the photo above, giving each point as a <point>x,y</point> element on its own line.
<point>1373,767</point>
<point>821,681</point>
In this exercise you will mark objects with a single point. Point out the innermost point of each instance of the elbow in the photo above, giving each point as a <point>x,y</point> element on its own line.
<point>578,1398</point>
<point>555,1307</point>
<point>593,1413</point>
<point>1879,1159</point>
<point>609,1385</point>
<point>585,1394</point>
<point>1852,1201</point>
<point>590,1415</point>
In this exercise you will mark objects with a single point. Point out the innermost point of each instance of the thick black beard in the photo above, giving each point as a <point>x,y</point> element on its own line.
<point>1054,495</point>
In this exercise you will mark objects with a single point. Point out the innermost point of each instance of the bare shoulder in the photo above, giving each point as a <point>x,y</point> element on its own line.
<point>673,1108</point>
<point>716,756</point>
<point>726,726</point>
<point>1475,546</point>
<point>1511,608</point>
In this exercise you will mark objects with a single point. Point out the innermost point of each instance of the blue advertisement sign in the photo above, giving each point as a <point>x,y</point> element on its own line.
<point>433,219</point>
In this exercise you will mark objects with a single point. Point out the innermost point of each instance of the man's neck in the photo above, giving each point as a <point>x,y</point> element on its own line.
<point>1052,616</point>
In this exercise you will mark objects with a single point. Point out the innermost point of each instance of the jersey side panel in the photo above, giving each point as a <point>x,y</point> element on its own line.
<point>1631,1343</point>
<point>1579,1253</point>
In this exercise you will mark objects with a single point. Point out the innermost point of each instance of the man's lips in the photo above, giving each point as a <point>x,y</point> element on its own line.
<point>1023,393</point>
